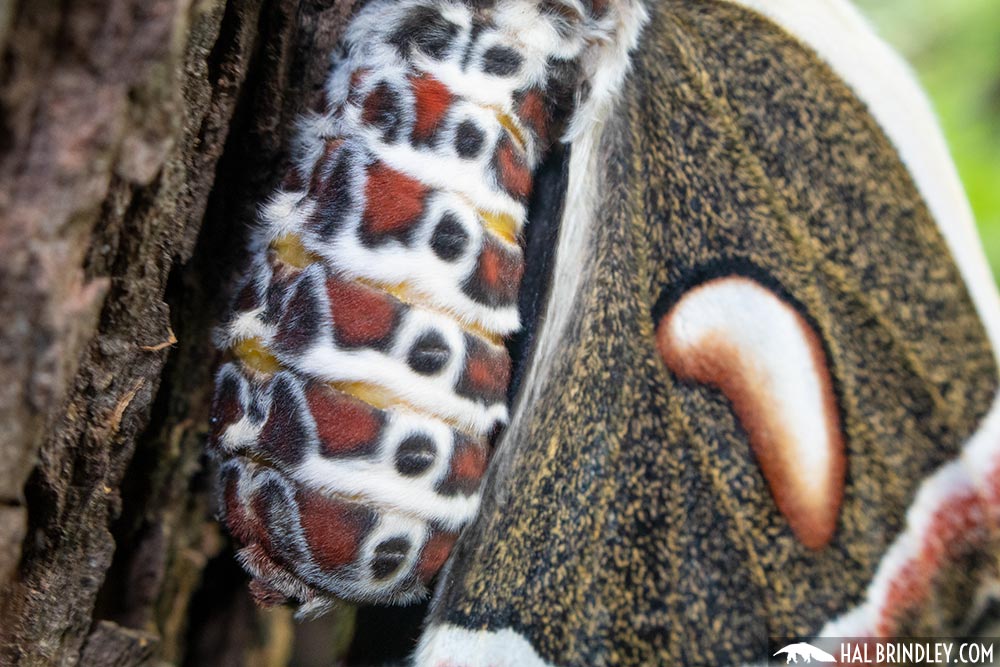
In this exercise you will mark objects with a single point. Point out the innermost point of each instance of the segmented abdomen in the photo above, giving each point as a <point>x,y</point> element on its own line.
<point>369,367</point>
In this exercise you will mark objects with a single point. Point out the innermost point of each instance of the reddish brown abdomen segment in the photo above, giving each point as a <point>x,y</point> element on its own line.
<point>735,334</point>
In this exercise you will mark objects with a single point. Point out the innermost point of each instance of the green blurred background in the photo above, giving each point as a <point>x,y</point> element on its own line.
<point>954,45</point>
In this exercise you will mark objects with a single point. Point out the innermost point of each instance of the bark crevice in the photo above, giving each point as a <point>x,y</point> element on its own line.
<point>136,139</point>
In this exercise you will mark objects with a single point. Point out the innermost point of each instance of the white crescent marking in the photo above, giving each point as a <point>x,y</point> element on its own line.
<point>737,335</point>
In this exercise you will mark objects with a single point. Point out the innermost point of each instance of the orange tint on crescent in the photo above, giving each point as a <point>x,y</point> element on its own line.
<point>739,336</point>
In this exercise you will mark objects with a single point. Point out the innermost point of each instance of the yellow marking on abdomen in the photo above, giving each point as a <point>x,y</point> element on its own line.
<point>512,127</point>
<point>381,398</point>
<point>252,353</point>
<point>289,249</point>
<point>405,293</point>
<point>501,224</point>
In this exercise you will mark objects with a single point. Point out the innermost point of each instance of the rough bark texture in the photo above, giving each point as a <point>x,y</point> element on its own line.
<point>136,138</point>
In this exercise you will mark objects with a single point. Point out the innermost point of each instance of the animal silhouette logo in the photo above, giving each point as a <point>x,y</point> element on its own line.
<point>807,652</point>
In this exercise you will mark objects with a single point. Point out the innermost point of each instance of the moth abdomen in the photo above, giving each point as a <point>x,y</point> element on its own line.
<point>313,546</point>
<point>331,441</point>
<point>368,361</point>
<point>315,493</point>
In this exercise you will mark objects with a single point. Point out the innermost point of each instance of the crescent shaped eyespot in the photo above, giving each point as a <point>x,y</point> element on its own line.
<point>735,334</point>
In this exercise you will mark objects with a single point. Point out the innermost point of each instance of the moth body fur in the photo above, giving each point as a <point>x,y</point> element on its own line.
<point>368,369</point>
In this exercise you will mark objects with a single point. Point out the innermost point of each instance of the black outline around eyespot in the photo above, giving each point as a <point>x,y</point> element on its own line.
<point>700,274</point>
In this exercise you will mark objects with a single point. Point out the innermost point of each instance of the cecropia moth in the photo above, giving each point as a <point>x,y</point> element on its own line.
<point>755,386</point>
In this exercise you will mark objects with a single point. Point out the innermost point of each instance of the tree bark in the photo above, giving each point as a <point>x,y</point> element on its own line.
<point>137,138</point>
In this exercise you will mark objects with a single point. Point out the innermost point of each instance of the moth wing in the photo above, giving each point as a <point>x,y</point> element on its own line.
<point>761,401</point>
